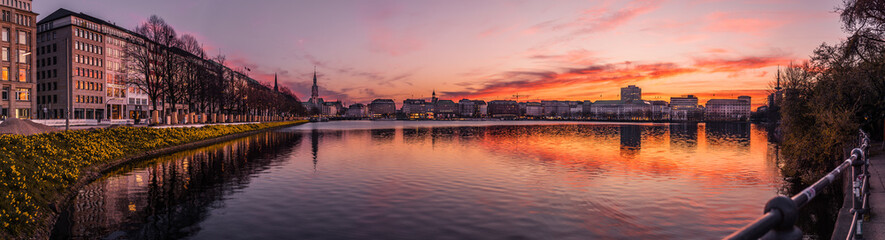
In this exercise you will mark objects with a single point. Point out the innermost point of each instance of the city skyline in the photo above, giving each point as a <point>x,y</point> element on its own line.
<point>566,51</point>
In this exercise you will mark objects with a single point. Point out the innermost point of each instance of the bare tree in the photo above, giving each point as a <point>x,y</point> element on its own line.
<point>141,57</point>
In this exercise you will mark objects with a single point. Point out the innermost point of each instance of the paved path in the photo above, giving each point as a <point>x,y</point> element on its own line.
<point>875,227</point>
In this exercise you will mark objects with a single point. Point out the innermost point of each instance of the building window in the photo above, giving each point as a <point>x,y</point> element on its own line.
<point>5,74</point>
<point>5,95</point>
<point>5,35</point>
<point>5,54</point>
<point>22,75</point>
<point>22,58</point>
<point>22,37</point>
<point>23,94</point>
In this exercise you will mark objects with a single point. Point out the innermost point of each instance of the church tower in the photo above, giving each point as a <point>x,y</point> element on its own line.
<point>314,90</point>
<point>276,88</point>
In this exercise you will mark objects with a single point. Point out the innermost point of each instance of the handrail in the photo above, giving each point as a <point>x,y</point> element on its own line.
<point>781,212</point>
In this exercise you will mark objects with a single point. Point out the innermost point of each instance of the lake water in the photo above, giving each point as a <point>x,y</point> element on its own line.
<point>442,180</point>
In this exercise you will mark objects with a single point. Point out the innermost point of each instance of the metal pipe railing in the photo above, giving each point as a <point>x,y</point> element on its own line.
<point>781,212</point>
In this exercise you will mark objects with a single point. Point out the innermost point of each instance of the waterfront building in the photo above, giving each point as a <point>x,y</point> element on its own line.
<point>576,108</point>
<point>621,110</point>
<point>467,108</point>
<point>534,109</point>
<point>314,105</point>
<point>17,69</point>
<point>503,109</point>
<point>333,109</point>
<point>445,109</point>
<point>80,59</point>
<point>631,93</point>
<point>415,108</point>
<point>586,108</point>
<point>382,108</point>
<point>555,108</point>
<point>717,110</point>
<point>482,109</point>
<point>660,110</point>
<point>685,108</point>
<point>356,111</point>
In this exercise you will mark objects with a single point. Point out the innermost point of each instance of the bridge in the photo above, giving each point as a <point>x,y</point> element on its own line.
<point>860,172</point>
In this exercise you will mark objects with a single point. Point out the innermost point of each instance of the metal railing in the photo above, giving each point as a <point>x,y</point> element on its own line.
<point>781,212</point>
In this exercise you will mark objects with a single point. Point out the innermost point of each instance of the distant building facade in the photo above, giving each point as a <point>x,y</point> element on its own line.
<point>503,109</point>
<point>382,108</point>
<point>631,93</point>
<point>728,109</point>
<point>685,109</point>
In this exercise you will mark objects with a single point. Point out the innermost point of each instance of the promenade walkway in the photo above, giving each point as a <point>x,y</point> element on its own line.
<point>874,228</point>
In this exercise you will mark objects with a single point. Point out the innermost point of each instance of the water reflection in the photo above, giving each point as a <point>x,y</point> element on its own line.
<point>169,196</point>
<point>439,180</point>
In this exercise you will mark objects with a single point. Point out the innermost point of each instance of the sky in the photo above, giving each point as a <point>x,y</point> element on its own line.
<point>530,50</point>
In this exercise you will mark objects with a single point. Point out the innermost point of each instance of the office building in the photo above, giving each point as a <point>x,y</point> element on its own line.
<point>17,68</point>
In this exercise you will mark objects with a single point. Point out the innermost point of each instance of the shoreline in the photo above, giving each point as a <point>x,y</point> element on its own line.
<point>92,173</point>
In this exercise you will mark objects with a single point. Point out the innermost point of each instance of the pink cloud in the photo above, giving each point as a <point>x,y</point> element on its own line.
<point>724,22</point>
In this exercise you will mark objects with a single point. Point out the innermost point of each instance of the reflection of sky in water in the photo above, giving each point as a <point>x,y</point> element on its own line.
<point>431,180</point>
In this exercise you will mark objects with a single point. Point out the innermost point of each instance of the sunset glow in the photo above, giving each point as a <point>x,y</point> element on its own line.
<point>562,50</point>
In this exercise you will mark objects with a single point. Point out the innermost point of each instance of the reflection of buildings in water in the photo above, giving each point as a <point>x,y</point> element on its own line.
<point>442,135</point>
<point>383,134</point>
<point>631,140</point>
<point>684,134</point>
<point>631,136</point>
<point>471,133</point>
<point>166,197</point>
<point>314,146</point>
<point>415,135</point>
<point>731,133</point>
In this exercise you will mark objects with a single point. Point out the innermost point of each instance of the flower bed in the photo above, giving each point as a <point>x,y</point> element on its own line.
<point>35,170</point>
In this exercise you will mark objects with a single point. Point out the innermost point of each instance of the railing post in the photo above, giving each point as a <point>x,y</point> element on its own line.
<point>786,229</point>
<point>858,191</point>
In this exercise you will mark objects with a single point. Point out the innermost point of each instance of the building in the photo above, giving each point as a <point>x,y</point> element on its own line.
<point>414,108</point>
<point>333,109</point>
<point>503,109</point>
<point>555,108</point>
<point>356,111</point>
<point>482,109</point>
<point>631,93</point>
<point>315,105</point>
<point>724,110</point>
<point>534,109</point>
<point>382,108</point>
<point>445,109</point>
<point>467,108</point>
<point>621,110</point>
<point>684,108</point>
<point>17,68</point>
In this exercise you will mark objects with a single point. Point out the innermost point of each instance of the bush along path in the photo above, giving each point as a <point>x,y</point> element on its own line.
<point>37,170</point>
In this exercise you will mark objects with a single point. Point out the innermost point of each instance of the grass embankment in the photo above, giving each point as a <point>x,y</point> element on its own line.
<point>37,170</point>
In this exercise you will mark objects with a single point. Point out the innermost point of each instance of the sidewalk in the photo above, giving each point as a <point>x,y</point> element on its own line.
<point>874,228</point>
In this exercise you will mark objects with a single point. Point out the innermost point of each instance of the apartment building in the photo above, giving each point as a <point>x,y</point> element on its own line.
<point>16,63</point>
<point>80,61</point>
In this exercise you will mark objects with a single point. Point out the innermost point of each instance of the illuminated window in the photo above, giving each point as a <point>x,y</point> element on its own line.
<point>23,94</point>
<point>22,75</point>
<point>5,74</point>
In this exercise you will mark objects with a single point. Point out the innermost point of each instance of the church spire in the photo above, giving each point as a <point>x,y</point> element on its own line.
<point>276,87</point>
<point>314,90</point>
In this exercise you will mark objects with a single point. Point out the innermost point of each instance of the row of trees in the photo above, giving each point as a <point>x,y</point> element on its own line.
<point>840,90</point>
<point>174,71</point>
